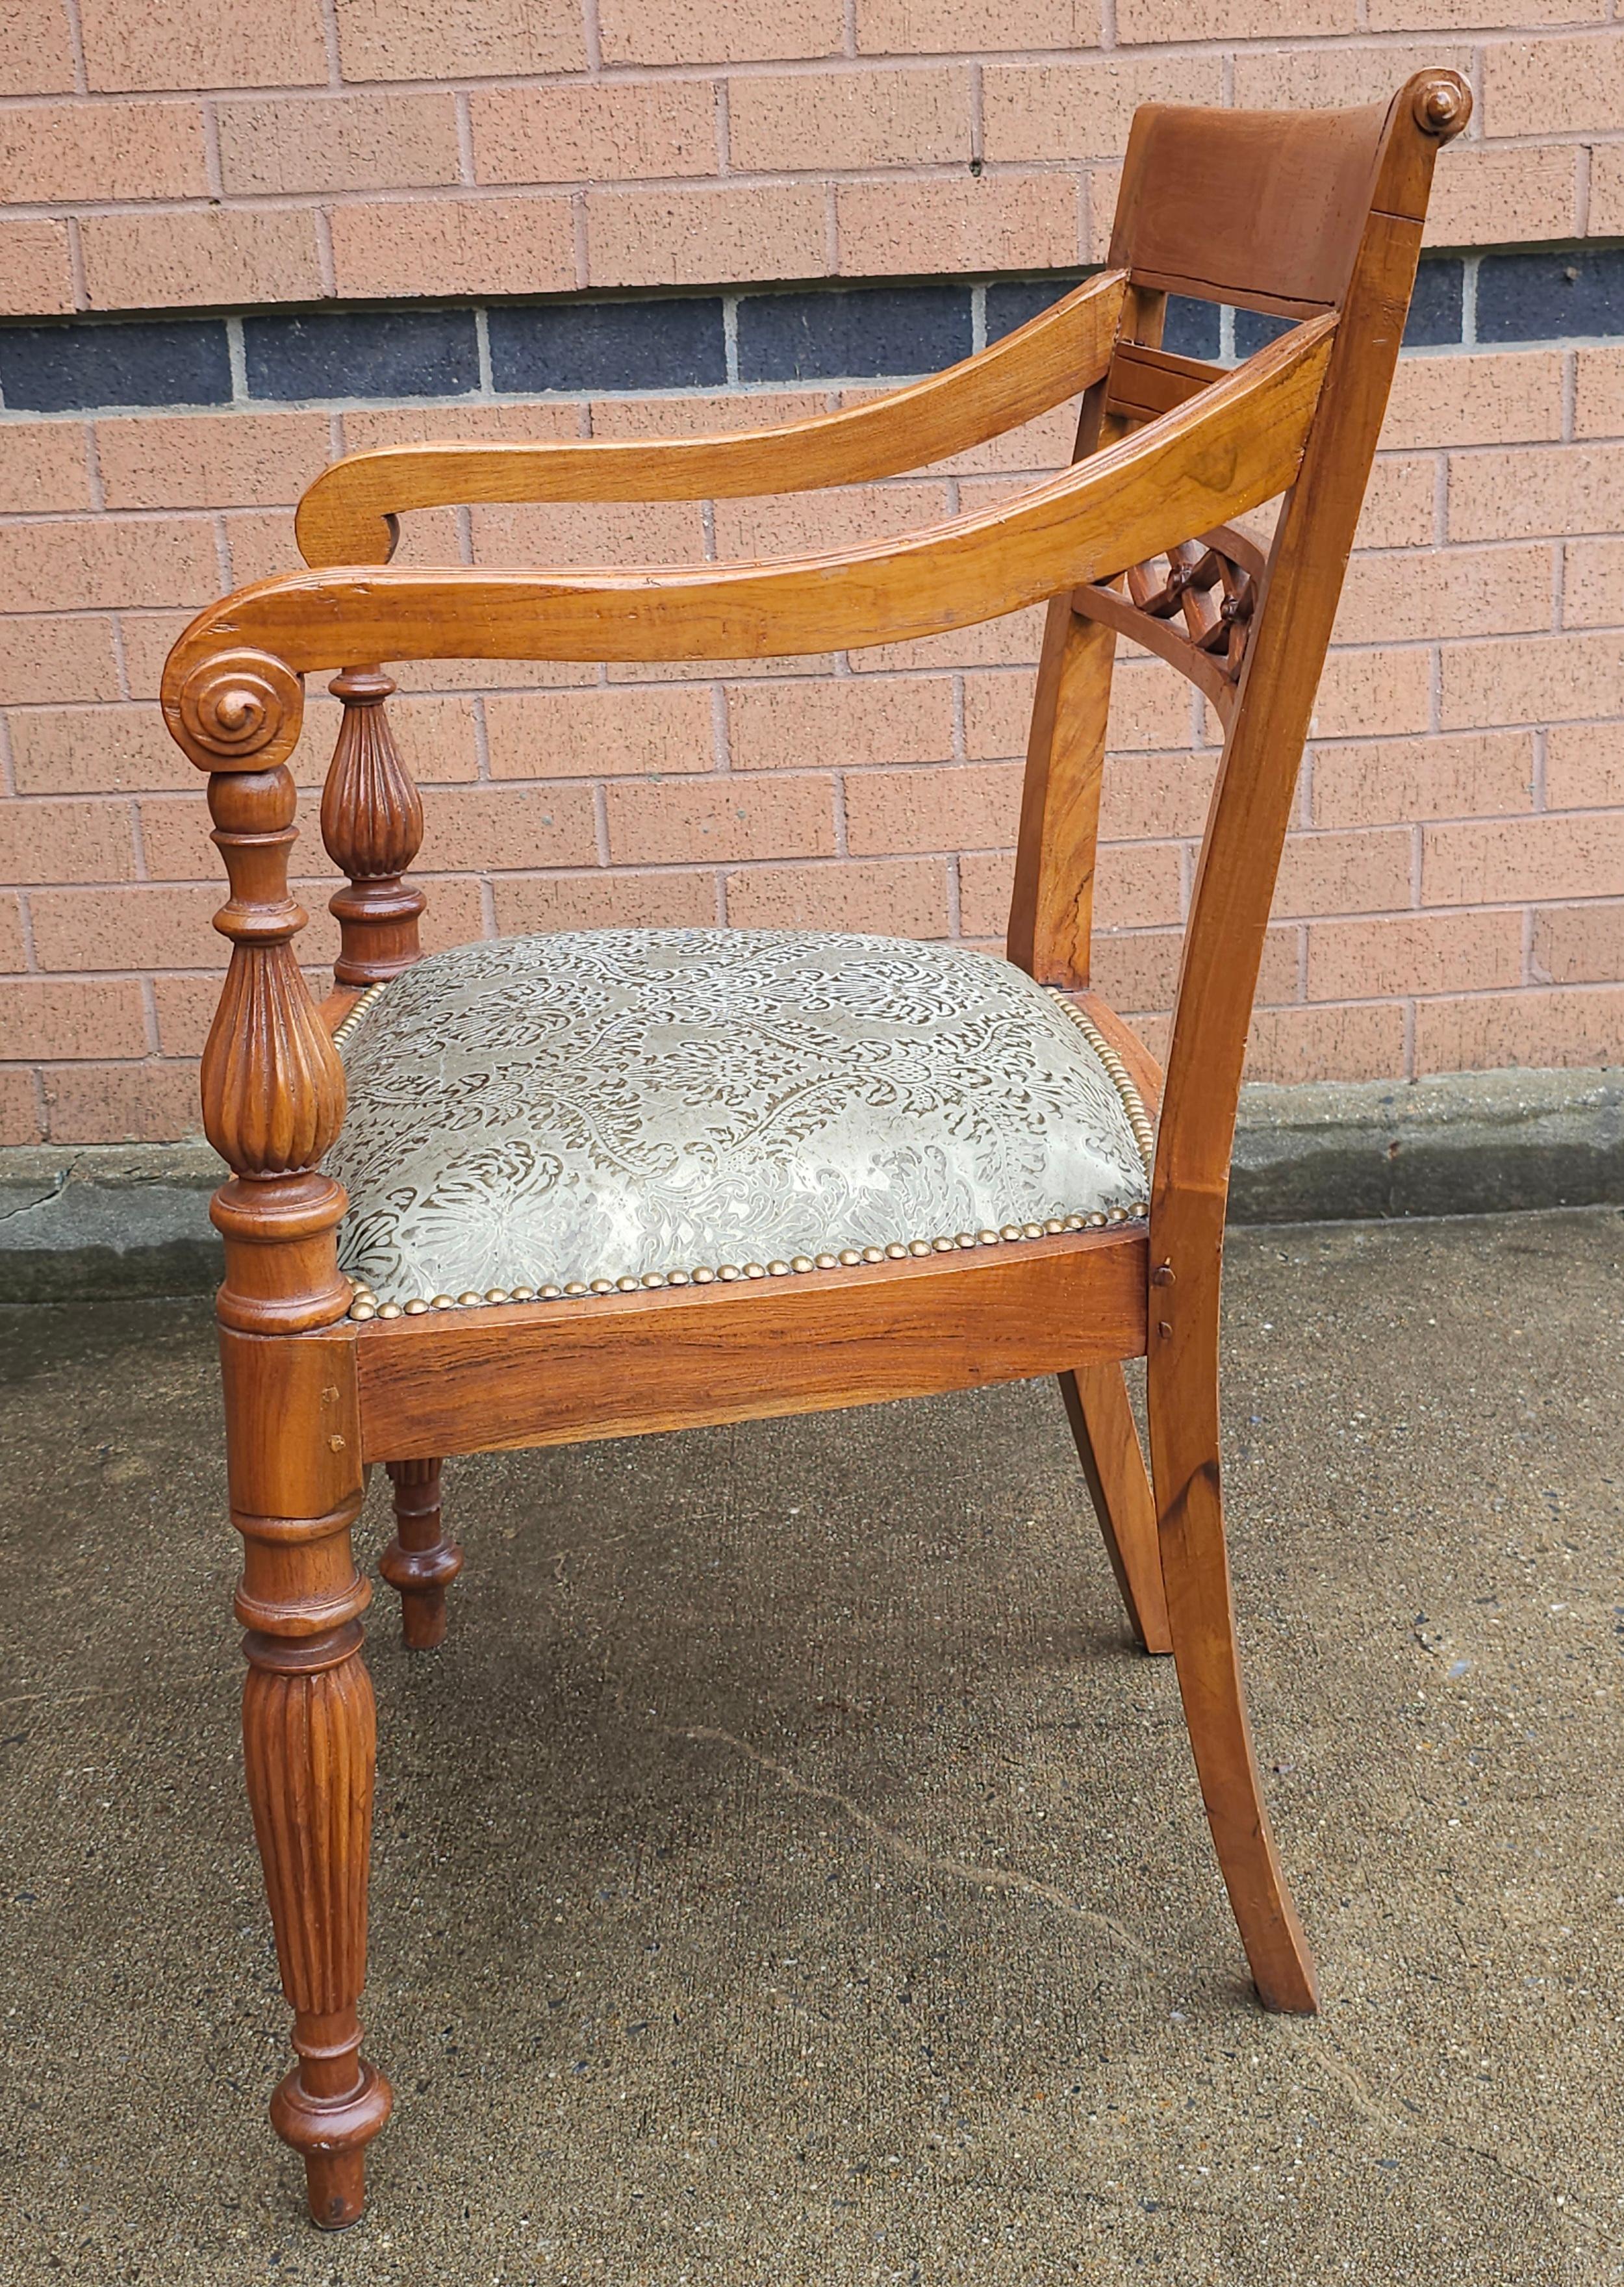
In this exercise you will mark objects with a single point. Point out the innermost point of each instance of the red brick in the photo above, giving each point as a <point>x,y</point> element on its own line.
<point>13,952</point>
<point>1071,111</point>
<point>840,120</point>
<point>455,246</point>
<point>510,831</point>
<point>137,927</point>
<point>551,734</point>
<point>916,27</point>
<point>1137,969</point>
<point>182,256</point>
<point>1584,766</point>
<point>1400,508</point>
<point>1598,408</point>
<point>1481,861</point>
<point>34,261</point>
<point>612,132</point>
<point>1533,680</point>
<point>339,143</point>
<point>1578,944</point>
<point>1514,494</point>
<point>1325,1042</point>
<point>693,238</point>
<point>1368,693</point>
<point>1137,885</point>
<point>985,880</point>
<point>807,524</point>
<point>174,836</point>
<point>591,533</point>
<point>718,31</point>
<point>1488,198</point>
<point>48,658</point>
<point>526,902</point>
<point>1414,953</point>
<point>146,1102</point>
<point>1311,77</point>
<point>368,426</point>
<point>1606,217</point>
<point>720,821</point>
<point>1154,796</point>
<point>1552,86</point>
<point>895,897</point>
<point>95,750</point>
<point>22,1116</point>
<point>1366,873</point>
<point>1593,583</point>
<point>1540,1030</point>
<point>71,1018</point>
<point>459,39</point>
<point>100,562</point>
<point>147,639</point>
<point>1496,397</point>
<point>1446,592</point>
<point>62,154</point>
<point>210,460</point>
<point>163,44</point>
<point>1009,641</point>
<point>1036,448</point>
<point>1397,780</point>
<point>644,417</point>
<point>66,842</point>
<point>959,806</point>
<point>849,720</point>
<point>36,48</point>
<point>996,222</point>
<point>45,465</point>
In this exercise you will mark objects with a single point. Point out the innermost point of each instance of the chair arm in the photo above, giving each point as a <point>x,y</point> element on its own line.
<point>347,516</point>
<point>230,685</point>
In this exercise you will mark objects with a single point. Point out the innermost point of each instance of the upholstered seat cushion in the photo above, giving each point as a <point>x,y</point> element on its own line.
<point>637,1104</point>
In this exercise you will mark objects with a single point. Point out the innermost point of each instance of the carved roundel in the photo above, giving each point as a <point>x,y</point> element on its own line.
<point>240,702</point>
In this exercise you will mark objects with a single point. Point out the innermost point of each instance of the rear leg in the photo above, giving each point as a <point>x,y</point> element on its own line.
<point>1113,1464</point>
<point>420,1561</point>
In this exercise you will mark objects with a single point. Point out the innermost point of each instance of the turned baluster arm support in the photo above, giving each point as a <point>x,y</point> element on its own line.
<point>372,823</point>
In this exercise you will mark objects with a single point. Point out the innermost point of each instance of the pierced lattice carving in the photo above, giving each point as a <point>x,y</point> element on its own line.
<point>1191,606</point>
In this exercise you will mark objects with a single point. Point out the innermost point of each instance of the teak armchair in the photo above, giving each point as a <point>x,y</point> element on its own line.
<point>331,1365</point>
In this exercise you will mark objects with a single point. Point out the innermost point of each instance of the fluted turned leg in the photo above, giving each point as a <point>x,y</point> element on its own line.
<point>310,1740</point>
<point>420,1561</point>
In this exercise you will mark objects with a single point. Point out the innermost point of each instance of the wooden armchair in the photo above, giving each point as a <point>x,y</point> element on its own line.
<point>884,1259</point>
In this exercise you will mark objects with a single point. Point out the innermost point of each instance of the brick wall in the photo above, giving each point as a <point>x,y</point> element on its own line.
<point>239,239</point>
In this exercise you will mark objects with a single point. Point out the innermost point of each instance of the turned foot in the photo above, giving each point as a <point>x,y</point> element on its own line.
<point>420,1561</point>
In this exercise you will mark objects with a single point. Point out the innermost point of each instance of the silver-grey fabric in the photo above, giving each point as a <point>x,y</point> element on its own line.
<point>612,1103</point>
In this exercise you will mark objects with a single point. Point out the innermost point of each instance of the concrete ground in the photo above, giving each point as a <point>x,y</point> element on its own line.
<point>786,1873</point>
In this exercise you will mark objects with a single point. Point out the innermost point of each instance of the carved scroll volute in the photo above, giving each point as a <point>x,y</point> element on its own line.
<point>273,1086</point>
<point>372,822</point>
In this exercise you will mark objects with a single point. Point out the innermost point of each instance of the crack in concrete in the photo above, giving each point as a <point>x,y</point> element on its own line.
<point>988,1878</point>
<point>32,1207</point>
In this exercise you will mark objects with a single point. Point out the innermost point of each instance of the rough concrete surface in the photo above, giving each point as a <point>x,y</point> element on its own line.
<point>787,1873</point>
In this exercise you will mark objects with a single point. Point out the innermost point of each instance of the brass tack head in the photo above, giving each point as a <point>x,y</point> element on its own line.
<point>548,1294</point>
<point>470,1298</point>
<point>495,1294</point>
<point>873,1253</point>
<point>1116,1215</point>
<point>1052,1224</point>
<point>988,1238</point>
<point>1075,1223</point>
<point>677,1278</point>
<point>1031,1230</point>
<point>827,1262</point>
<point>802,1263</point>
<point>728,1270</point>
<point>703,1277</point>
<point>1009,1231</point>
<point>965,1238</point>
<point>755,1270</point>
<point>522,1295</point>
<point>601,1287</point>
<point>363,1310</point>
<point>918,1246</point>
<point>627,1286</point>
<point>896,1251</point>
<point>576,1288</point>
<point>416,1307</point>
<point>778,1269</point>
<point>849,1256</point>
<point>441,1302</point>
<point>388,1309</point>
<point>653,1278</point>
<point>943,1246</point>
<point>1097,1222</point>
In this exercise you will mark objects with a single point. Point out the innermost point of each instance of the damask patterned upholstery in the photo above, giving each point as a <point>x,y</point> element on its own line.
<point>639,1105</point>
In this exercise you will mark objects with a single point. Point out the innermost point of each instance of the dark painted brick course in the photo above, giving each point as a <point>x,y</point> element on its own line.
<point>830,336</point>
<point>1529,297</point>
<point>362,353</point>
<point>594,345</point>
<point>70,368</point>
<point>1437,306</point>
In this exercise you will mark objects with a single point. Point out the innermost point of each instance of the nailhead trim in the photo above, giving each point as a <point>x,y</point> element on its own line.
<point>366,1305</point>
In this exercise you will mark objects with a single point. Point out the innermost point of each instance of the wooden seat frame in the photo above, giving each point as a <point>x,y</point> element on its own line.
<point>1315,217</point>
